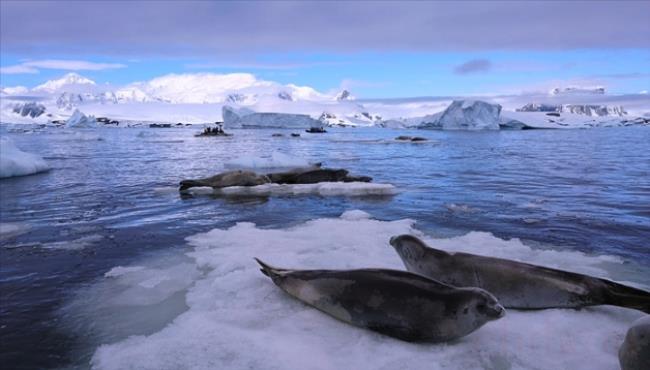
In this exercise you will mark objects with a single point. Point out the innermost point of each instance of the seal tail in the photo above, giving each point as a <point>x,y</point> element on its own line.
<point>269,270</point>
<point>625,296</point>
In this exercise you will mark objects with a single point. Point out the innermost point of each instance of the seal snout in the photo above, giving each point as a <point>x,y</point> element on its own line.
<point>497,311</point>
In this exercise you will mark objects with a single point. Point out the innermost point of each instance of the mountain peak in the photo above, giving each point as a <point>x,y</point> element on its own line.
<point>68,79</point>
<point>344,95</point>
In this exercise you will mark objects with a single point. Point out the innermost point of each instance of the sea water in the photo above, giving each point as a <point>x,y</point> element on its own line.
<point>102,259</point>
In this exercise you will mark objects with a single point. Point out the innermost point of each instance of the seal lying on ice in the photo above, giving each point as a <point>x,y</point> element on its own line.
<point>395,303</point>
<point>516,284</point>
<point>315,175</point>
<point>303,175</point>
<point>635,351</point>
<point>225,179</point>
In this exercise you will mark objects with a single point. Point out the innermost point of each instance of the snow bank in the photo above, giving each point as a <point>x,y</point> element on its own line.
<point>236,318</point>
<point>246,118</point>
<point>540,119</point>
<point>276,160</point>
<point>15,162</point>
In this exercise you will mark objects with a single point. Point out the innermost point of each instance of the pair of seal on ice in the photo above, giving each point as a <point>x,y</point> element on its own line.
<point>306,175</point>
<point>445,296</point>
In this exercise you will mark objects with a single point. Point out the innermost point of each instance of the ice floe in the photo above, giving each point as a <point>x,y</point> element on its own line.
<point>321,188</point>
<point>235,318</point>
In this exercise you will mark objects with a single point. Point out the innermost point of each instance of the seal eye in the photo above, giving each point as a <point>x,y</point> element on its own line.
<point>481,307</point>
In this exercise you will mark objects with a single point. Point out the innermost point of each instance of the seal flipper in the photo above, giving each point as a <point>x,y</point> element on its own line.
<point>625,296</point>
<point>186,184</point>
<point>271,271</point>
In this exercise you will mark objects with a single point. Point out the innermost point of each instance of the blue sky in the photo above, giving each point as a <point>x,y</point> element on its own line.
<point>374,49</point>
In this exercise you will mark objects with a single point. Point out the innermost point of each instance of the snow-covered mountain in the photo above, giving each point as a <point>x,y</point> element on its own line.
<point>200,97</point>
<point>64,83</point>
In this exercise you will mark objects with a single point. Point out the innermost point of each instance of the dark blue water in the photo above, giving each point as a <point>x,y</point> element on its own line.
<point>106,203</point>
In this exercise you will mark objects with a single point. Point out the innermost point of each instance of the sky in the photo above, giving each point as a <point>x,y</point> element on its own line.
<point>375,49</point>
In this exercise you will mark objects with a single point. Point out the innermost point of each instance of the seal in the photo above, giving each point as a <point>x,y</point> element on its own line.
<point>395,303</point>
<point>635,351</point>
<point>315,175</point>
<point>225,179</point>
<point>516,284</point>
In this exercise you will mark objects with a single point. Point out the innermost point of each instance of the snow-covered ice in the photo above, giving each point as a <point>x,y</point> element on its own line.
<point>15,162</point>
<point>321,188</point>
<point>237,318</point>
<point>350,189</point>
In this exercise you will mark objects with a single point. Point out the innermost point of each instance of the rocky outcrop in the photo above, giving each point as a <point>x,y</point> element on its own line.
<point>31,109</point>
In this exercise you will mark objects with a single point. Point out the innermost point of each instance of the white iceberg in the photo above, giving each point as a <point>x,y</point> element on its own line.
<point>15,162</point>
<point>246,118</point>
<point>80,120</point>
<point>466,115</point>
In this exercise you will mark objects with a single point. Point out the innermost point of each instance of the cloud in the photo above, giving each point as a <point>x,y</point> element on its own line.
<point>33,66</point>
<point>17,69</point>
<point>473,66</point>
<point>264,66</point>
<point>204,28</point>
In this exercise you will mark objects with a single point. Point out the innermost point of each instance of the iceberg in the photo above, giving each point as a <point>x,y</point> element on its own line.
<point>80,120</point>
<point>465,115</point>
<point>15,162</point>
<point>247,118</point>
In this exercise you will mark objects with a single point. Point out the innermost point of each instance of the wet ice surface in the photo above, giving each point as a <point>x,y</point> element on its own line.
<point>101,206</point>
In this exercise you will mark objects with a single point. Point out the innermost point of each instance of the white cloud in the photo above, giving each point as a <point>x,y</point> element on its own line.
<point>33,66</point>
<point>17,69</point>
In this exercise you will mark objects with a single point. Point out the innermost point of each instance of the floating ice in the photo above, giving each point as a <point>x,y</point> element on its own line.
<point>276,160</point>
<point>15,162</point>
<point>238,319</point>
<point>321,188</point>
